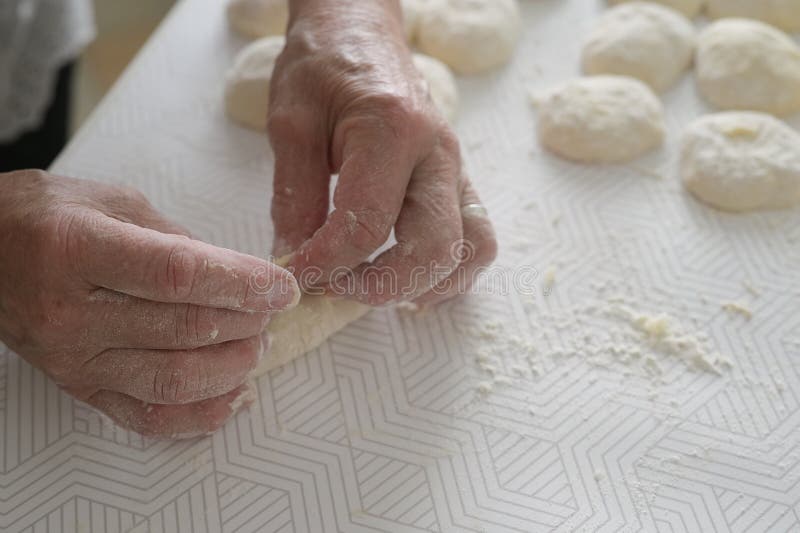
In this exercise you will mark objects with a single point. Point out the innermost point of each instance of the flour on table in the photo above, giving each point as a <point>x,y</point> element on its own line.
<point>784,14</point>
<point>441,84</point>
<point>471,36</point>
<point>258,18</point>
<point>690,8</point>
<point>247,83</point>
<point>600,119</point>
<point>646,41</point>
<point>748,65</point>
<point>742,161</point>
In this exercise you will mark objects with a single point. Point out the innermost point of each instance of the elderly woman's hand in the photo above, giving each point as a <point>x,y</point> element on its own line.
<point>124,311</point>
<point>346,99</point>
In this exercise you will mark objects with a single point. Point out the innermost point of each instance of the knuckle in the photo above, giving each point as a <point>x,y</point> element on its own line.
<point>129,196</point>
<point>180,271</point>
<point>193,326</point>
<point>370,229</point>
<point>287,125</point>
<point>448,141</point>
<point>177,382</point>
<point>401,114</point>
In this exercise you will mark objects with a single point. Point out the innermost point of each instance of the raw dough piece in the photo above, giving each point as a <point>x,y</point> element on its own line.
<point>746,64</point>
<point>642,40</point>
<point>600,119</point>
<point>784,14</point>
<point>258,18</point>
<point>300,330</point>
<point>690,8</point>
<point>742,161</point>
<point>471,36</point>
<point>247,85</point>
<point>441,84</point>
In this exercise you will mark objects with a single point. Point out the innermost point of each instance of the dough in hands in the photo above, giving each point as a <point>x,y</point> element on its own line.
<point>247,84</point>
<point>298,331</point>
<point>471,36</point>
<point>690,8</point>
<point>742,161</point>
<point>441,84</point>
<point>748,65</point>
<point>253,19</point>
<point>600,119</point>
<point>643,40</point>
<point>784,14</point>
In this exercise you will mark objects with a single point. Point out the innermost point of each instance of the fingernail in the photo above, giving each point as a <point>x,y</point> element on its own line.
<point>285,294</point>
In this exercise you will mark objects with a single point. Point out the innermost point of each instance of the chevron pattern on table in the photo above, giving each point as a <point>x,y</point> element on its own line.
<point>503,411</point>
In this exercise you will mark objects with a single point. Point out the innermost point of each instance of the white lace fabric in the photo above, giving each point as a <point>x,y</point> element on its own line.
<point>37,37</point>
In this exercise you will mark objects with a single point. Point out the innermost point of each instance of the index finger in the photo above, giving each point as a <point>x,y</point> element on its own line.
<point>170,268</point>
<point>376,169</point>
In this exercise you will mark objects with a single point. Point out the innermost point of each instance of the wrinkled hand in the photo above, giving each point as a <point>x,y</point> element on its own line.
<point>346,99</point>
<point>123,310</point>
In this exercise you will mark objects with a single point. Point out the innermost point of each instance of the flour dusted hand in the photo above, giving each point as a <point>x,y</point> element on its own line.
<point>125,311</point>
<point>347,99</point>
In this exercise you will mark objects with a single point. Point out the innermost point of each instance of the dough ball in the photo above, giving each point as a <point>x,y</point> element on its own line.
<point>746,64</point>
<point>412,12</point>
<point>784,14</point>
<point>472,36</point>
<point>741,161</point>
<point>247,84</point>
<point>258,18</point>
<point>600,119</point>
<point>690,8</point>
<point>642,40</point>
<point>441,84</point>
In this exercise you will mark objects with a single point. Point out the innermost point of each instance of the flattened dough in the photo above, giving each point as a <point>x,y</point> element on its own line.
<point>643,40</point>
<point>742,161</point>
<point>600,119</point>
<point>784,14</point>
<point>690,8</point>
<point>471,36</point>
<point>441,84</point>
<point>253,19</point>
<point>748,65</point>
<point>247,83</point>
<point>298,331</point>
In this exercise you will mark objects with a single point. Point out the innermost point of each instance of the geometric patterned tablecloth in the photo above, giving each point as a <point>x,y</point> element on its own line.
<point>504,411</point>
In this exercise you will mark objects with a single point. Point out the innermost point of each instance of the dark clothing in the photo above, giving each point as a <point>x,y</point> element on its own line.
<point>39,147</point>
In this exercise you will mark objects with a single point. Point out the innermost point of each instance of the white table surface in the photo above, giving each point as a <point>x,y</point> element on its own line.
<point>383,428</point>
